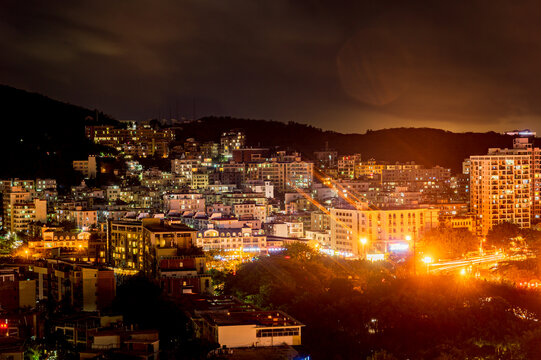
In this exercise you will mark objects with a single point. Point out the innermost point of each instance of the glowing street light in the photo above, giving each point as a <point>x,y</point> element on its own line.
<point>363,241</point>
<point>462,271</point>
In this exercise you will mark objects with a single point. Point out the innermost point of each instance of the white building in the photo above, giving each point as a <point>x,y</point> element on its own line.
<point>286,229</point>
<point>265,187</point>
<point>244,238</point>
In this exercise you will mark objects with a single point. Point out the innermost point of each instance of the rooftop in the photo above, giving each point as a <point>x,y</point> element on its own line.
<point>257,318</point>
<point>162,227</point>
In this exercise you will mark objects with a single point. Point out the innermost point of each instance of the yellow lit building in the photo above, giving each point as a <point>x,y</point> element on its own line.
<point>137,245</point>
<point>60,239</point>
<point>232,239</point>
<point>380,228</point>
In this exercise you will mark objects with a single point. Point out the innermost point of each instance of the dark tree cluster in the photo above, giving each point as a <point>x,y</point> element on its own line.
<point>45,136</point>
<point>360,310</point>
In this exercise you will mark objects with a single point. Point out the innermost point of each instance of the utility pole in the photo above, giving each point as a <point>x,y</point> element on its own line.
<point>414,259</point>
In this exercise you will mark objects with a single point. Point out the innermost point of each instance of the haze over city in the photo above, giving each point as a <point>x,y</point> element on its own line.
<point>351,66</point>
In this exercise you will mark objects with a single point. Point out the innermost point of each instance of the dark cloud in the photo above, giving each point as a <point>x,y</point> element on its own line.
<point>348,66</point>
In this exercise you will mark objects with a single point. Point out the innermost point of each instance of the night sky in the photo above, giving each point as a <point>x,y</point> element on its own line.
<point>341,65</point>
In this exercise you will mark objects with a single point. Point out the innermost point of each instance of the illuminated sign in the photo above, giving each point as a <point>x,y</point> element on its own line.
<point>375,257</point>
<point>399,247</point>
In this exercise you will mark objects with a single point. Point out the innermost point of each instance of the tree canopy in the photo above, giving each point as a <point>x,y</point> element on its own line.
<point>355,309</point>
<point>445,242</point>
<point>501,235</point>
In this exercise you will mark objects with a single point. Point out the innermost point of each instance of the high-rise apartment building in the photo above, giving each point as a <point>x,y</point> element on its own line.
<point>505,186</point>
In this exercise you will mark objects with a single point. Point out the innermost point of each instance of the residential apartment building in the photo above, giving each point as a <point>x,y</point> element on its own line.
<point>84,287</point>
<point>136,140</point>
<point>20,207</point>
<point>287,175</point>
<point>258,186</point>
<point>232,140</point>
<point>505,186</point>
<point>187,274</point>
<point>250,210</point>
<point>347,166</point>
<point>138,245</point>
<point>82,218</point>
<point>86,167</point>
<point>185,168</point>
<point>183,202</point>
<point>402,175</point>
<point>319,221</point>
<point>380,228</point>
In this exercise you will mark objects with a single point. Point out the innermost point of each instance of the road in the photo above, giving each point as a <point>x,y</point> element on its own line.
<point>442,267</point>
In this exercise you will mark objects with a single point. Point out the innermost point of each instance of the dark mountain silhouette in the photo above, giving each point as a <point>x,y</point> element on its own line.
<point>42,136</point>
<point>425,146</point>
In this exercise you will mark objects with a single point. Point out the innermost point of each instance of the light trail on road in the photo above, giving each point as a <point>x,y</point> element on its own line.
<point>445,266</point>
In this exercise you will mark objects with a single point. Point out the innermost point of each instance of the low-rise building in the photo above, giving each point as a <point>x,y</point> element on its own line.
<point>186,274</point>
<point>233,324</point>
<point>86,167</point>
<point>226,239</point>
<point>380,228</point>
<point>181,202</point>
<point>85,287</point>
<point>137,245</point>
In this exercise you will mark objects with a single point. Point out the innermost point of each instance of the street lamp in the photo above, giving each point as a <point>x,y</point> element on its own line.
<point>363,243</point>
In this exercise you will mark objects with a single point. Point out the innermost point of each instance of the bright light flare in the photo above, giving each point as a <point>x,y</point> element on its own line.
<point>428,260</point>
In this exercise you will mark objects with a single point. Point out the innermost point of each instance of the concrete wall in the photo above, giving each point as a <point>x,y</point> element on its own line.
<point>237,336</point>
